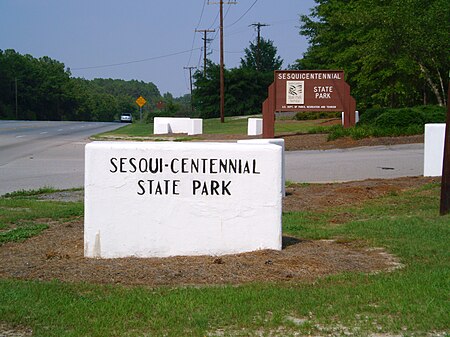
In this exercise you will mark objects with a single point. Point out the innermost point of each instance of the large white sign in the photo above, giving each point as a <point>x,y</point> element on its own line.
<point>158,199</point>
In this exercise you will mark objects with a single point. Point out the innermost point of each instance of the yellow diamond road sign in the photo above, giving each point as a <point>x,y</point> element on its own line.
<point>141,101</point>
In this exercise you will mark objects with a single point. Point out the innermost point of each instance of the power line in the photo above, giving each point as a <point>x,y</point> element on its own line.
<point>199,60</point>
<point>225,16</point>
<point>198,24</point>
<point>215,19</point>
<point>136,61</point>
<point>231,52</point>
<point>201,14</point>
<point>240,18</point>
<point>245,13</point>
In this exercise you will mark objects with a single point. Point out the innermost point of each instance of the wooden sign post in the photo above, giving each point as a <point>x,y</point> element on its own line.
<point>307,90</point>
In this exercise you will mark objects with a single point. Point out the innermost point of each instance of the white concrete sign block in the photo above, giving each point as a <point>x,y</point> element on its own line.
<point>254,126</point>
<point>433,149</point>
<point>196,127</point>
<point>153,199</point>
<point>160,128</point>
<point>191,126</point>
<point>275,141</point>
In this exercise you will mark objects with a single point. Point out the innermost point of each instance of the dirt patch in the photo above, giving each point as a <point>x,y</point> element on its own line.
<point>58,252</point>
<point>309,197</point>
<point>7,330</point>
<point>66,196</point>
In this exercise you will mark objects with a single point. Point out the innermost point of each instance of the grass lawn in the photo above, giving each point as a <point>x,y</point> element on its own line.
<point>22,216</point>
<point>232,125</point>
<point>413,300</point>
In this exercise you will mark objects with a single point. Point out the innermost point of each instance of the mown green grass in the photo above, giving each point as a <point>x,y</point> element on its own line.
<point>23,215</point>
<point>232,125</point>
<point>411,300</point>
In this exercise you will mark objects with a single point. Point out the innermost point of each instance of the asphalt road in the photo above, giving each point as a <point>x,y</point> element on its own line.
<point>37,154</point>
<point>355,163</point>
<point>34,154</point>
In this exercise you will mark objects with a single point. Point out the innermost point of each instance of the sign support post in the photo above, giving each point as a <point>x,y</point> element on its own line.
<point>140,101</point>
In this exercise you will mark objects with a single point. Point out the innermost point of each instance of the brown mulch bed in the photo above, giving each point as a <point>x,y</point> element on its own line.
<point>58,252</point>
<point>319,142</point>
<point>297,142</point>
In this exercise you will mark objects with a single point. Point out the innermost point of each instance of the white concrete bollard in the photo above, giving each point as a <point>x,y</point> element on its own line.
<point>275,141</point>
<point>254,126</point>
<point>156,199</point>
<point>356,117</point>
<point>433,149</point>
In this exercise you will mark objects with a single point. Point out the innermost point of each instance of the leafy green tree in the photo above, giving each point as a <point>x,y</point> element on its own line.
<point>246,91</point>
<point>42,86</point>
<point>206,94</point>
<point>245,87</point>
<point>394,52</point>
<point>262,57</point>
<point>46,91</point>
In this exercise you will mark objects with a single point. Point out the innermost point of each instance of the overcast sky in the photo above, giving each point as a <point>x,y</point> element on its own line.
<point>146,40</point>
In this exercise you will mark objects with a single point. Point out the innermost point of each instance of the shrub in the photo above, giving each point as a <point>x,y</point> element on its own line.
<point>433,113</point>
<point>385,122</point>
<point>369,116</point>
<point>324,129</point>
<point>399,118</point>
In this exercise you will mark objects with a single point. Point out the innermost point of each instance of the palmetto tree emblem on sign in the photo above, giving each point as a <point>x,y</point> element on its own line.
<point>294,92</point>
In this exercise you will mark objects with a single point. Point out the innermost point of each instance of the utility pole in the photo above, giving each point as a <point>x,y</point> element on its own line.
<point>17,110</point>
<point>190,81</point>
<point>445,182</point>
<point>222,81</point>
<point>258,53</point>
<point>205,40</point>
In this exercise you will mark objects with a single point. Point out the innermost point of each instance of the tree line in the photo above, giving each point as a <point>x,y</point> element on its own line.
<point>395,53</point>
<point>43,89</point>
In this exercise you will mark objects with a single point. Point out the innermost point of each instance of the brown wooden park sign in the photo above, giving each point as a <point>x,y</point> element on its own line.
<point>307,90</point>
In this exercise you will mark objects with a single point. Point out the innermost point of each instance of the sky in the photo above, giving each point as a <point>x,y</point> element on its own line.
<point>148,40</point>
